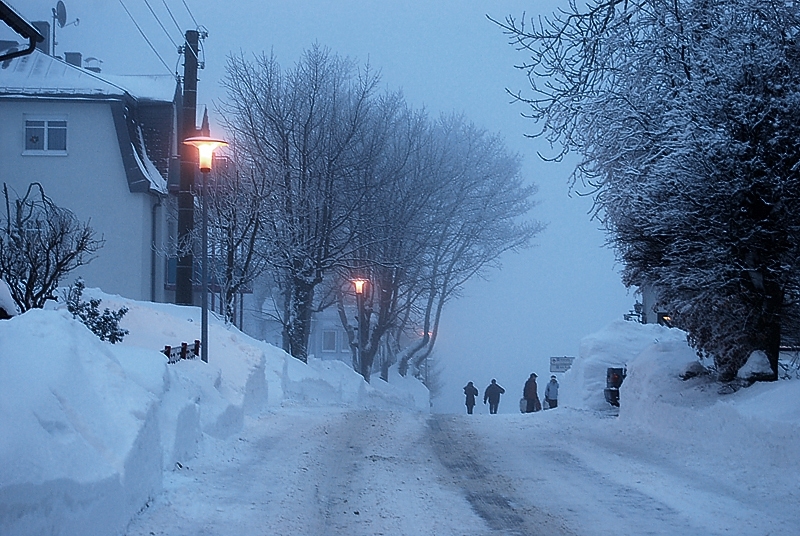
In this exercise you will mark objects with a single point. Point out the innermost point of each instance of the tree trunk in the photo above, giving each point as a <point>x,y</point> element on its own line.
<point>771,327</point>
<point>298,325</point>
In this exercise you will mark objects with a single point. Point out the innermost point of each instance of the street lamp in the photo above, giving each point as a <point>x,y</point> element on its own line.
<point>360,286</point>
<point>205,148</point>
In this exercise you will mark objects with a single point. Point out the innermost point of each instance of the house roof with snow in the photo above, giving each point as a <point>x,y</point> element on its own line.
<point>39,74</point>
<point>143,107</point>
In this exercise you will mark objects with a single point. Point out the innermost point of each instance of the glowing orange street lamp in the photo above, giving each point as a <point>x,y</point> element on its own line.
<point>360,286</point>
<point>205,148</point>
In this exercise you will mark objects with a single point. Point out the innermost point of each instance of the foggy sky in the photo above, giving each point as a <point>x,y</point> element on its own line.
<point>445,56</point>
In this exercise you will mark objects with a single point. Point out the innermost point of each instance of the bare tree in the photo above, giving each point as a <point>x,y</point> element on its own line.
<point>40,243</point>
<point>478,214</point>
<point>302,128</point>
<point>391,219</point>
<point>451,203</point>
<point>238,196</point>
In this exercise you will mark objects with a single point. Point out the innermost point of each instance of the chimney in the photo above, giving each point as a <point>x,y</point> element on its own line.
<point>74,58</point>
<point>93,64</point>
<point>44,28</point>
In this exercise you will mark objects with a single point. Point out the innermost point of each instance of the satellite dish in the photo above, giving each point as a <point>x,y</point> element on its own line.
<point>61,13</point>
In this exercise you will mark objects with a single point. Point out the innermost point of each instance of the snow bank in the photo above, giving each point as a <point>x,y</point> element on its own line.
<point>79,429</point>
<point>95,424</point>
<point>763,418</point>
<point>400,392</point>
<point>615,346</point>
<point>333,382</point>
<point>7,302</point>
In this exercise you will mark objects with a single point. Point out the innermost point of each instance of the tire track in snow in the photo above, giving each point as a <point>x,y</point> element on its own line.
<point>386,480</point>
<point>493,496</point>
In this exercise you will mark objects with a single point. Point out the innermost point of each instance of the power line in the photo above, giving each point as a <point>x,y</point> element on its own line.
<point>145,37</point>
<point>190,13</point>
<point>178,26</point>
<point>147,3</point>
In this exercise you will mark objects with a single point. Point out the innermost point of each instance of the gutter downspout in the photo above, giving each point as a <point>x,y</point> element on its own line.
<point>18,53</point>
<point>22,27</point>
<point>153,248</point>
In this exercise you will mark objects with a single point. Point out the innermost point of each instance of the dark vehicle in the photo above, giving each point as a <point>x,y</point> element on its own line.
<point>614,377</point>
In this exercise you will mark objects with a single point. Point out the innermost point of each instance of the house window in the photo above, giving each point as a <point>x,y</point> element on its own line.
<point>329,340</point>
<point>345,346</point>
<point>46,135</point>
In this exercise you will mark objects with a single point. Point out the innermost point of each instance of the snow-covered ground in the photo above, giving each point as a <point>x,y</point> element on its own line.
<point>109,439</point>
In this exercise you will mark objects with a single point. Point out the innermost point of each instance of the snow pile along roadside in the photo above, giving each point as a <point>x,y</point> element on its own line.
<point>763,418</point>
<point>615,346</point>
<point>95,424</point>
<point>80,448</point>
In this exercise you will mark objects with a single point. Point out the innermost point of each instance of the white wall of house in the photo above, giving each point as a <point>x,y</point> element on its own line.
<point>328,338</point>
<point>90,180</point>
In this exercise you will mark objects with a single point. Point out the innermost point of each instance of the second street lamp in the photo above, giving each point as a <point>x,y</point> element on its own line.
<point>360,286</point>
<point>205,148</point>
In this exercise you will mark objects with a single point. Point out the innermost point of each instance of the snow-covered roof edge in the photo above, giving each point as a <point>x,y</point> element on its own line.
<point>39,74</point>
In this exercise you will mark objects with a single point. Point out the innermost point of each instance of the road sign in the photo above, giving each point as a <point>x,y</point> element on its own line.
<point>560,364</point>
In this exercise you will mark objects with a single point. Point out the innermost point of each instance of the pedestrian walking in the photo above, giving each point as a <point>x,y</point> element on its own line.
<point>471,391</point>
<point>492,394</point>
<point>531,394</point>
<point>551,393</point>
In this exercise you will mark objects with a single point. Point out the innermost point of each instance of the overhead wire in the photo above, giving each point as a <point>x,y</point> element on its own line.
<point>178,26</point>
<point>147,3</point>
<point>190,13</point>
<point>145,36</point>
<point>185,44</point>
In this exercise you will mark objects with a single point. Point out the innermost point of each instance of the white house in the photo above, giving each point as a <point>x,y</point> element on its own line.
<point>101,147</point>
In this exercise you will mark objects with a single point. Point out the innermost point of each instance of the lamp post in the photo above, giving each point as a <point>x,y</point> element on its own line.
<point>360,286</point>
<point>205,147</point>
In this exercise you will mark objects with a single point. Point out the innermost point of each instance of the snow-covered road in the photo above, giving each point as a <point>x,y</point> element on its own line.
<point>318,471</point>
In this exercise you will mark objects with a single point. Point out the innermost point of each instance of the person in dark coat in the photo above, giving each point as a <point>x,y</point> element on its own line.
<point>471,391</point>
<point>492,394</point>
<point>531,394</point>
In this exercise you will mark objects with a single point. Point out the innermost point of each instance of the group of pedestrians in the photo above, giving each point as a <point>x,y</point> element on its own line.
<point>530,395</point>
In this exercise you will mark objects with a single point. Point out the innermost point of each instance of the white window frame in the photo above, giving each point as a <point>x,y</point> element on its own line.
<point>345,343</point>
<point>46,119</point>
<point>327,332</point>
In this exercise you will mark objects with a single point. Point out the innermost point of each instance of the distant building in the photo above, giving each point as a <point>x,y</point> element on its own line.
<point>328,338</point>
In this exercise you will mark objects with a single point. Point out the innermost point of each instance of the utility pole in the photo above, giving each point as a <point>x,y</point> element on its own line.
<point>188,128</point>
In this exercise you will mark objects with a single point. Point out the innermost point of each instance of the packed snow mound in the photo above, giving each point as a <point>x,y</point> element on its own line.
<point>757,365</point>
<point>79,428</point>
<point>7,302</point>
<point>238,359</point>
<point>617,345</point>
<point>95,424</point>
<point>654,396</point>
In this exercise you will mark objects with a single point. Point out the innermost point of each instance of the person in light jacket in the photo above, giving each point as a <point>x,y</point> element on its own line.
<point>551,393</point>
<point>471,391</point>
<point>492,394</point>
<point>531,394</point>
